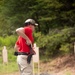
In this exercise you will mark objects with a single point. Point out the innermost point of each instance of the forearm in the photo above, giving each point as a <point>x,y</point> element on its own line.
<point>20,33</point>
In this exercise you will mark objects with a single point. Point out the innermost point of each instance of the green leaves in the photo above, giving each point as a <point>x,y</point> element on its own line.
<point>56,42</point>
<point>8,41</point>
<point>48,13</point>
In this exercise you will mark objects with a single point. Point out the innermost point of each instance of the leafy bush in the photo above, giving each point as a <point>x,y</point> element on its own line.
<point>56,43</point>
<point>8,40</point>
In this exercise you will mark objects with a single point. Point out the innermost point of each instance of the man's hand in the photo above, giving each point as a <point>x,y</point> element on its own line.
<point>33,52</point>
<point>28,42</point>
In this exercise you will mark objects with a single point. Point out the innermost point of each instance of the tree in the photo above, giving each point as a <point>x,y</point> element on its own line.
<point>16,12</point>
<point>48,13</point>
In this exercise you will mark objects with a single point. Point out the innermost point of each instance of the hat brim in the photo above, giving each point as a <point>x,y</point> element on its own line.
<point>36,24</point>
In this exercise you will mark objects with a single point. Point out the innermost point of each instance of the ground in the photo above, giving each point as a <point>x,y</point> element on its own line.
<point>62,65</point>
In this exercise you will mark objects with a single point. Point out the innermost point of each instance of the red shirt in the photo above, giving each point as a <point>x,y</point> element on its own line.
<point>21,42</point>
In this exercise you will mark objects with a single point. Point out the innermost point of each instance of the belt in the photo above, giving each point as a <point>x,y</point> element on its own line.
<point>23,53</point>
<point>20,53</point>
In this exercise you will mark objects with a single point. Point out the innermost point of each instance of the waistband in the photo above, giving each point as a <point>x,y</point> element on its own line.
<point>23,53</point>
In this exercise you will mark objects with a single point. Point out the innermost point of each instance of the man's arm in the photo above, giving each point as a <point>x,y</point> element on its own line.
<point>20,32</point>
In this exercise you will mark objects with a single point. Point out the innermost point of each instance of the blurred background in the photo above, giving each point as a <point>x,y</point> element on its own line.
<point>55,34</point>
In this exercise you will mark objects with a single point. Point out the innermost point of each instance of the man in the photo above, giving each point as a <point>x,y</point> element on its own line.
<point>23,46</point>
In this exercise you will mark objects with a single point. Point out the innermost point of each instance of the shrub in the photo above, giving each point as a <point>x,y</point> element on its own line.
<point>53,44</point>
<point>8,40</point>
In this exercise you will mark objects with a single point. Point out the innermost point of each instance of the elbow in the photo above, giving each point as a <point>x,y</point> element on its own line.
<point>17,31</point>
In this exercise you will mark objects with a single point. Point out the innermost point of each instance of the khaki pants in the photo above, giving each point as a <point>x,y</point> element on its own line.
<point>25,68</point>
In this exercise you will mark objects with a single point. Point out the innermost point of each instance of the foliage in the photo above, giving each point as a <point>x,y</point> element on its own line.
<point>48,13</point>
<point>51,45</point>
<point>6,68</point>
<point>56,19</point>
<point>8,41</point>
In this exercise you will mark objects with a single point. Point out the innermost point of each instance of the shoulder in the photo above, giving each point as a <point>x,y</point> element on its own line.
<point>27,29</point>
<point>21,28</point>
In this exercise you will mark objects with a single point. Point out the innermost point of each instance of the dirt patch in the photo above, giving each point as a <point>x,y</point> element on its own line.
<point>63,65</point>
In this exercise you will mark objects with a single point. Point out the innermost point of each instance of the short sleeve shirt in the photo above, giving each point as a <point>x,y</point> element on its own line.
<point>21,42</point>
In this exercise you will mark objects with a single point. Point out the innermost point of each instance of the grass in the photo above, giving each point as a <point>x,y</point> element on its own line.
<point>11,66</point>
<point>8,68</point>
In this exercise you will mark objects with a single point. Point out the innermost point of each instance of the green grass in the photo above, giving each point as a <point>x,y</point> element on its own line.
<point>11,66</point>
<point>8,68</point>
